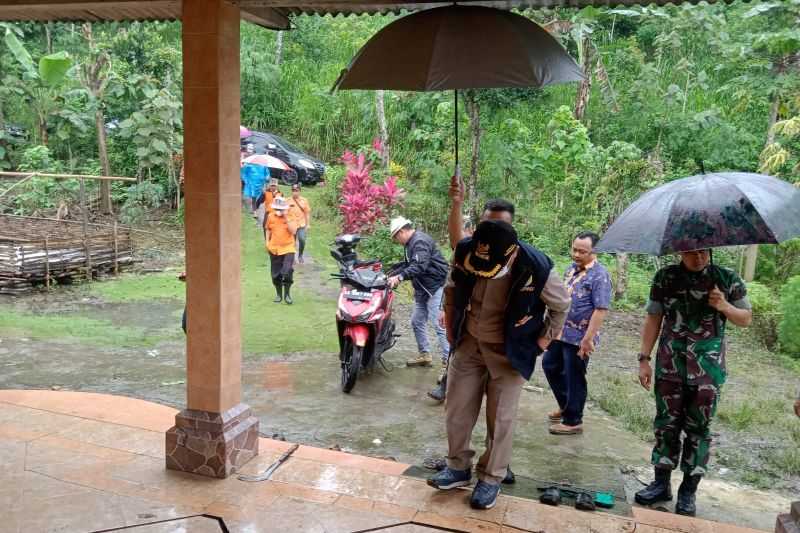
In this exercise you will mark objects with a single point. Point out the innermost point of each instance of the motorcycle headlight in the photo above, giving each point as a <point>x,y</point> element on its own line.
<point>306,163</point>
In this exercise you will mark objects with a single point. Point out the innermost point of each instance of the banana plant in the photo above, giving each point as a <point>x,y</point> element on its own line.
<point>580,29</point>
<point>43,83</point>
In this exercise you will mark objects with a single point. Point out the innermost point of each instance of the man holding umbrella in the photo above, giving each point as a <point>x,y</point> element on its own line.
<point>689,306</point>
<point>503,304</point>
<point>691,303</point>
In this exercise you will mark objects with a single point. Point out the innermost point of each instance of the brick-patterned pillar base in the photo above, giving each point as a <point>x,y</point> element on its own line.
<point>789,523</point>
<point>212,444</point>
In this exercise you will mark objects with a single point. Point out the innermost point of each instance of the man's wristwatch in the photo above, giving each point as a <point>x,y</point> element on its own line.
<point>643,357</point>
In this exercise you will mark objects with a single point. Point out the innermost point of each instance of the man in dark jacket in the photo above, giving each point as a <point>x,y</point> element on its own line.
<point>503,305</point>
<point>427,270</point>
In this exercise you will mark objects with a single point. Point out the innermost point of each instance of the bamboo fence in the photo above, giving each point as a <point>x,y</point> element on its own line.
<point>36,251</point>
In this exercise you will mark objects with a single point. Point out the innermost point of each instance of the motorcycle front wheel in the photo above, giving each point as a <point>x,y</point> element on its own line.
<point>351,366</point>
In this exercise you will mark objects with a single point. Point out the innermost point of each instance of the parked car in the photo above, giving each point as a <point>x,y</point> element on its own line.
<point>309,170</point>
<point>15,132</point>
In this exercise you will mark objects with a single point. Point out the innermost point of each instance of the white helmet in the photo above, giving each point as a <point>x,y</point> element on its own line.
<point>397,224</point>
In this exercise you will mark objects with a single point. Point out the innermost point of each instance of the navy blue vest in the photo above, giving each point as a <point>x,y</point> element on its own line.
<point>529,275</point>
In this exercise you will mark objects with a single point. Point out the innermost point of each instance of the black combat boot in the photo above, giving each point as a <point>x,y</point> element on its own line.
<point>278,289</point>
<point>659,490</point>
<point>686,495</point>
<point>287,297</point>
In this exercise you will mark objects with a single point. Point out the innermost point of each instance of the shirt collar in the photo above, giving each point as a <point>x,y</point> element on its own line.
<point>577,268</point>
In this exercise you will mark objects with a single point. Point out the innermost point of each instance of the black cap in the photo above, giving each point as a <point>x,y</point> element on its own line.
<point>493,245</point>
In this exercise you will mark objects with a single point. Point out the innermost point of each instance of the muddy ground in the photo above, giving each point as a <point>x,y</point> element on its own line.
<point>297,397</point>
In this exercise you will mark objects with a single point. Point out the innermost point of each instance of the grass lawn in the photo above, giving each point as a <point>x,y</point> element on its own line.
<point>73,327</point>
<point>267,328</point>
<point>308,324</point>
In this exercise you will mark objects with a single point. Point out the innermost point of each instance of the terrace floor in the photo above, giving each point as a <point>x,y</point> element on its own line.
<point>84,462</point>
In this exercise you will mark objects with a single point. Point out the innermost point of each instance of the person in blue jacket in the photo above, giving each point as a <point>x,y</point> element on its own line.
<point>254,178</point>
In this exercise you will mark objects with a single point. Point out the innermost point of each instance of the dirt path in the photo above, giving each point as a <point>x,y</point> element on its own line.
<point>297,397</point>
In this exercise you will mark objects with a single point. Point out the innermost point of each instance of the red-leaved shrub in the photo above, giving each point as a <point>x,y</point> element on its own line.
<point>363,202</point>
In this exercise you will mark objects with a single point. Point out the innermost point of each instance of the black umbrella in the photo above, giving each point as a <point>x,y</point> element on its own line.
<point>707,211</point>
<point>459,47</point>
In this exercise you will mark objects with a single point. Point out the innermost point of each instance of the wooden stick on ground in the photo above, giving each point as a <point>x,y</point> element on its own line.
<point>116,251</point>
<point>85,216</point>
<point>46,264</point>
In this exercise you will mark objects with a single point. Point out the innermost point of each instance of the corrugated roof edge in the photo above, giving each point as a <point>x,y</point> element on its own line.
<point>18,12</point>
<point>379,8</point>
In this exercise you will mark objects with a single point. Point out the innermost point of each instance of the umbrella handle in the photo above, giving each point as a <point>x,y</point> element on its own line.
<point>455,124</point>
<point>711,262</point>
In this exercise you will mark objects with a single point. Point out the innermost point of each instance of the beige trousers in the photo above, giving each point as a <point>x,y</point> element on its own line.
<point>476,367</point>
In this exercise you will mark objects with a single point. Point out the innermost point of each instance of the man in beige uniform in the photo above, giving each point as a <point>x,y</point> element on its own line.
<point>503,305</point>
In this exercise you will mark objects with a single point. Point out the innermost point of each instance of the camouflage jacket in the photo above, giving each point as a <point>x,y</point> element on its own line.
<point>690,348</point>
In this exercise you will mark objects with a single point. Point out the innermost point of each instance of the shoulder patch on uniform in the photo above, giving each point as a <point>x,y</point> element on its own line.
<point>529,285</point>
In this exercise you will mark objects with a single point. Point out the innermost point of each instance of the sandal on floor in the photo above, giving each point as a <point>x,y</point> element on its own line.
<point>584,502</point>
<point>551,496</point>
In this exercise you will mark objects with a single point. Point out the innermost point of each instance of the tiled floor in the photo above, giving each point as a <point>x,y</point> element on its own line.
<point>87,462</point>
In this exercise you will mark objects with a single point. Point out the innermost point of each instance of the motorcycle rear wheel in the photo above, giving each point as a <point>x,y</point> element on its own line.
<point>351,366</point>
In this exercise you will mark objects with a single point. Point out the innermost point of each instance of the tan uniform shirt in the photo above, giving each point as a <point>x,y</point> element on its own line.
<point>487,308</point>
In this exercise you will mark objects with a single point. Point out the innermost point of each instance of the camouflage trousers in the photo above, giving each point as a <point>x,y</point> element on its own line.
<point>688,409</point>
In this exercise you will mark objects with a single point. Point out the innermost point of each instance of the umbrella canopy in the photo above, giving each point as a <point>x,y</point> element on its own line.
<point>266,160</point>
<point>244,132</point>
<point>459,47</point>
<point>707,211</point>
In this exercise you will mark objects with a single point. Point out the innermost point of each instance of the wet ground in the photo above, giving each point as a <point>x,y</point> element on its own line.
<point>297,397</point>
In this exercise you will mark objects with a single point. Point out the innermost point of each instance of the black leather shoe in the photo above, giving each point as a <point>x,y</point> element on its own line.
<point>659,490</point>
<point>687,493</point>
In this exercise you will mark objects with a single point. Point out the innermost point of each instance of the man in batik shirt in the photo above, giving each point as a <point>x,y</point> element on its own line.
<point>690,304</point>
<point>567,358</point>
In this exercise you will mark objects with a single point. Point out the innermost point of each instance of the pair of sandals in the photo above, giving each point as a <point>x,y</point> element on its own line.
<point>583,500</point>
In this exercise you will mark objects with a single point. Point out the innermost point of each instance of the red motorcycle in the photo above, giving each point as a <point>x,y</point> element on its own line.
<point>364,313</point>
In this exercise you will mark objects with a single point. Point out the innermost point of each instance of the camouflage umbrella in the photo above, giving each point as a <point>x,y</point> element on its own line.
<point>707,211</point>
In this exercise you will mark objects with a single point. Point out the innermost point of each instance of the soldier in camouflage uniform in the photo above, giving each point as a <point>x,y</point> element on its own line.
<point>690,304</point>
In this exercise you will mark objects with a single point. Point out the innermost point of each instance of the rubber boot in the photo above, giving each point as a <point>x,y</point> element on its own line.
<point>687,495</point>
<point>279,290</point>
<point>659,490</point>
<point>442,372</point>
<point>287,297</point>
<point>440,391</point>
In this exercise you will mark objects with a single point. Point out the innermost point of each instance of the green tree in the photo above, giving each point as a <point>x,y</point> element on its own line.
<point>95,75</point>
<point>156,134</point>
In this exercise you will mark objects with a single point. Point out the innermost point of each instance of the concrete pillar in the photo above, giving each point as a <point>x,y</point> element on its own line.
<point>216,434</point>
